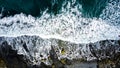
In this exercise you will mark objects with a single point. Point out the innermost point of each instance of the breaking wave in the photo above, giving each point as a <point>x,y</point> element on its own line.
<point>73,22</point>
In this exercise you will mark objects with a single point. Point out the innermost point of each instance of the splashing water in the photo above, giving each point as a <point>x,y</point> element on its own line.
<point>69,25</point>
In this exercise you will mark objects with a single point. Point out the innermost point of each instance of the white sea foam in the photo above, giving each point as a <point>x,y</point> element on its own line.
<point>69,26</point>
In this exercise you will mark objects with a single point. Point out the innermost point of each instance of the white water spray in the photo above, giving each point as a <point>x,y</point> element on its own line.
<point>69,26</point>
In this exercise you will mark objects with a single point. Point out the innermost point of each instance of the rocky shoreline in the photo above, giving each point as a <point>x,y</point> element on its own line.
<point>101,54</point>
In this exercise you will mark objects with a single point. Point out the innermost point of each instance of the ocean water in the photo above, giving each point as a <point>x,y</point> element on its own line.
<point>91,8</point>
<point>43,23</point>
<point>77,21</point>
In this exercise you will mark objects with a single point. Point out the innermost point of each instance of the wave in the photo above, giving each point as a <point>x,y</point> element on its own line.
<point>70,25</point>
<point>73,28</point>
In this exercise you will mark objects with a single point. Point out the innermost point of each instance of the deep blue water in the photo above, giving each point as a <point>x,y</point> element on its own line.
<point>90,8</point>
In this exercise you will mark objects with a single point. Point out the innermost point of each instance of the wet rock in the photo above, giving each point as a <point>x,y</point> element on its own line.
<point>107,55</point>
<point>10,56</point>
<point>2,63</point>
<point>43,65</point>
<point>24,53</point>
<point>25,47</point>
<point>54,58</point>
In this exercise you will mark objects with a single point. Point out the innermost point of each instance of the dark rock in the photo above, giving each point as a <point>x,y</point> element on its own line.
<point>119,42</point>
<point>10,56</point>
<point>25,47</point>
<point>54,58</point>
<point>2,63</point>
<point>0,38</point>
<point>43,65</point>
<point>107,53</point>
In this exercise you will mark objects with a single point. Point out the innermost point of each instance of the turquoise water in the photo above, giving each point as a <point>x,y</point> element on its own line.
<point>93,8</point>
<point>90,8</point>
